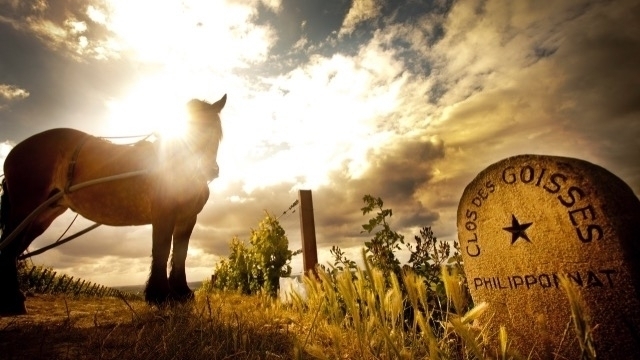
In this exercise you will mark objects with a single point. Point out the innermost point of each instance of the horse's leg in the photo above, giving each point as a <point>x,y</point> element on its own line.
<point>178,278</point>
<point>157,290</point>
<point>38,226</point>
<point>22,197</point>
<point>11,298</point>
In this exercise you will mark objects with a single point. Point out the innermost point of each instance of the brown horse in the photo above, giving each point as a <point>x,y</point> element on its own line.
<point>169,194</point>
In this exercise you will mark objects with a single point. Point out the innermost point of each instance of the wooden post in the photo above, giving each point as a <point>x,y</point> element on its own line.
<point>67,286</point>
<point>79,288</point>
<point>308,229</point>
<point>60,282</point>
<point>53,276</point>
<point>40,279</point>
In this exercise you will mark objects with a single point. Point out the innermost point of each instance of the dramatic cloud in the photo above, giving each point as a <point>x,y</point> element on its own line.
<point>74,28</point>
<point>361,10</point>
<point>396,174</point>
<point>211,36</point>
<point>274,5</point>
<point>405,100</point>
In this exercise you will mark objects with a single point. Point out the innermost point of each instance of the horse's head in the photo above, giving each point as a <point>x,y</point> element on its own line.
<point>204,133</point>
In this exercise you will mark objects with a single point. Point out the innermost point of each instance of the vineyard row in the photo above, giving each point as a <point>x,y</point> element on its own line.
<point>46,281</point>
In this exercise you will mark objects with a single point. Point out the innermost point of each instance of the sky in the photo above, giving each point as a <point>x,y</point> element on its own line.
<point>406,100</point>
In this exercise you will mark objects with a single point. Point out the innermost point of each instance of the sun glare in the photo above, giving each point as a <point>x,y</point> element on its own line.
<point>173,129</point>
<point>148,108</point>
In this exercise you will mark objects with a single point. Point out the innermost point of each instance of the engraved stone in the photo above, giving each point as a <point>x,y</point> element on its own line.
<point>528,219</point>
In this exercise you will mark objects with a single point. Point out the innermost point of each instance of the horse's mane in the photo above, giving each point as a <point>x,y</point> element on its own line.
<point>198,105</point>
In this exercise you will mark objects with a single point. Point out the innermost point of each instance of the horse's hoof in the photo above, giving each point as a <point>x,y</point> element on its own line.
<point>155,298</point>
<point>183,297</point>
<point>13,305</point>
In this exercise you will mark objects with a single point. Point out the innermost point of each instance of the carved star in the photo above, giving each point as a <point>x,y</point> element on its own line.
<point>517,230</point>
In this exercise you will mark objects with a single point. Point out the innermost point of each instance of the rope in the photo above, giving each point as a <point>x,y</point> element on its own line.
<point>127,137</point>
<point>58,243</point>
<point>57,197</point>
<point>110,138</point>
<point>55,243</point>
<point>68,227</point>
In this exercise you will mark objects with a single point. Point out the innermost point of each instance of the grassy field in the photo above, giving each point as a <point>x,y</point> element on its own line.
<point>343,317</point>
<point>218,326</point>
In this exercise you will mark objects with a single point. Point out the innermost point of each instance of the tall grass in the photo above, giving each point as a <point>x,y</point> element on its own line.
<point>580,319</point>
<point>347,315</point>
<point>364,315</point>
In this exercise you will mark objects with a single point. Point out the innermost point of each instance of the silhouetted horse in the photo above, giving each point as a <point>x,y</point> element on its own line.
<point>169,195</point>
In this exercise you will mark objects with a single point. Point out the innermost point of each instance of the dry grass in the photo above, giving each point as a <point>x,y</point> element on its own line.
<point>216,326</point>
<point>342,318</point>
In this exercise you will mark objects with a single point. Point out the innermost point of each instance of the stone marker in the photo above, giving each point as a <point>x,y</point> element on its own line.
<point>529,219</point>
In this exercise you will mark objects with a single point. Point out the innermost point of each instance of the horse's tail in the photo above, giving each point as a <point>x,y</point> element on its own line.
<point>5,205</point>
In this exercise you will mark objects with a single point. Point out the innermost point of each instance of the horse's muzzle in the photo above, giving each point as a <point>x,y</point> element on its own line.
<point>214,171</point>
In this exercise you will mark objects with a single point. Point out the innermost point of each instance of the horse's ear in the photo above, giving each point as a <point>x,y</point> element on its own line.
<point>218,105</point>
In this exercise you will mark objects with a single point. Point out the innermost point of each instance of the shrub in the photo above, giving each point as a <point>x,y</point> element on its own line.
<point>259,265</point>
<point>429,257</point>
<point>380,250</point>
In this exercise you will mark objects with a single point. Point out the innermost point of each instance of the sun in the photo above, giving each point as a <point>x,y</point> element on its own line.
<point>148,108</point>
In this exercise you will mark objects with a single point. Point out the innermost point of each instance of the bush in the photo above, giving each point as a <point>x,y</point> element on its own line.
<point>259,265</point>
<point>380,250</point>
<point>428,258</point>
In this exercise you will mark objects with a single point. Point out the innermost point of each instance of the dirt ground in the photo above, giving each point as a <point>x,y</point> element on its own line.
<point>59,327</point>
<point>81,311</point>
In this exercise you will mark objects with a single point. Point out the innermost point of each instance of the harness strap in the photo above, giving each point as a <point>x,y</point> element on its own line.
<point>72,163</point>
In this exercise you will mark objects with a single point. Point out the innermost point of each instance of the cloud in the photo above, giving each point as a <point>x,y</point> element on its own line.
<point>397,174</point>
<point>512,79</point>
<point>360,11</point>
<point>12,92</point>
<point>205,37</point>
<point>67,26</point>
<point>498,81</point>
<point>235,211</point>
<point>410,111</point>
<point>306,122</point>
<point>274,5</point>
<point>533,80</point>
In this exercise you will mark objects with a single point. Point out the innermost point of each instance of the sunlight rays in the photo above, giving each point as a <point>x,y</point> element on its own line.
<point>150,107</point>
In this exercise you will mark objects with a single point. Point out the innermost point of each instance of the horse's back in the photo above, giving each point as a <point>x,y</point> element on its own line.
<point>54,160</point>
<point>48,139</point>
<point>125,201</point>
